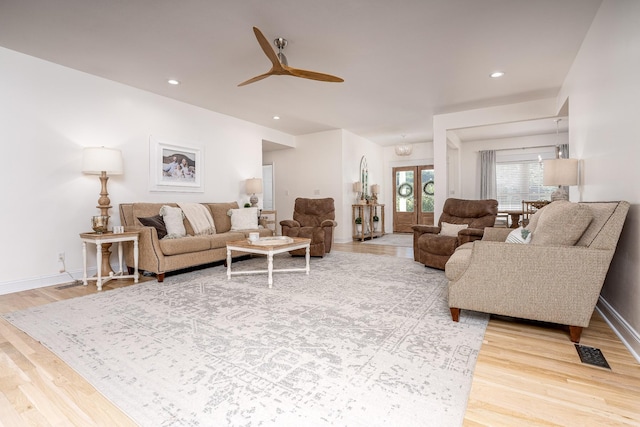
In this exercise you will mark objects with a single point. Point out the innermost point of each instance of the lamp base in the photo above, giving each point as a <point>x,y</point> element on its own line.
<point>559,194</point>
<point>254,201</point>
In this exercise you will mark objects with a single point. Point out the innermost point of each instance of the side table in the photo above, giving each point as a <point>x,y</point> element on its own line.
<point>99,240</point>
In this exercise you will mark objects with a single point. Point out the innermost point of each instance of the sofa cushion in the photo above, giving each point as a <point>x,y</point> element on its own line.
<point>244,219</point>
<point>219,211</point>
<point>561,223</point>
<point>185,245</point>
<point>602,212</point>
<point>174,220</point>
<point>156,222</point>
<point>447,229</point>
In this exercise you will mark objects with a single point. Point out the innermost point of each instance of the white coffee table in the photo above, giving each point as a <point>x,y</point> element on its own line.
<point>268,247</point>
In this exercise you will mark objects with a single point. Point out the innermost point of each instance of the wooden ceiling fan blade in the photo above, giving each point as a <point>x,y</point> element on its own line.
<point>313,75</point>
<point>266,48</point>
<point>255,79</point>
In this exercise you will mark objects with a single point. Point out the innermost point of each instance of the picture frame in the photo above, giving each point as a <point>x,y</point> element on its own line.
<point>175,166</point>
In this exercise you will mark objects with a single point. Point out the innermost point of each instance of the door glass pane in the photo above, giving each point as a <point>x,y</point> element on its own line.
<point>428,189</point>
<point>404,191</point>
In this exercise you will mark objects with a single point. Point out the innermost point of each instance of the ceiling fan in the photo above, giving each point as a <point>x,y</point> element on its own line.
<point>280,65</point>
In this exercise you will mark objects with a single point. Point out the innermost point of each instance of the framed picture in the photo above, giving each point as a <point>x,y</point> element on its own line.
<point>174,166</point>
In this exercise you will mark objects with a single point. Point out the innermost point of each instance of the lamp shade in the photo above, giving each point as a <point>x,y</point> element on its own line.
<point>375,189</point>
<point>560,172</point>
<point>96,160</point>
<point>357,186</point>
<point>254,185</point>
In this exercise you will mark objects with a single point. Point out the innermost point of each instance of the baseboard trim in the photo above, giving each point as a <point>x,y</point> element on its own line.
<point>42,281</point>
<point>629,337</point>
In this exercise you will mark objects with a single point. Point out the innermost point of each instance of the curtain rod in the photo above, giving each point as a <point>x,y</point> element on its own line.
<point>520,148</point>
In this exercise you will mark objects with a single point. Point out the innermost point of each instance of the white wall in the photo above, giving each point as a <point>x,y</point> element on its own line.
<point>324,164</point>
<point>311,170</point>
<point>470,157</point>
<point>483,116</point>
<point>353,149</point>
<point>49,113</point>
<point>603,89</point>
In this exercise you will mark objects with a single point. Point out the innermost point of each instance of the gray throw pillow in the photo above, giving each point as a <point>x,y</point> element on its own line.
<point>561,223</point>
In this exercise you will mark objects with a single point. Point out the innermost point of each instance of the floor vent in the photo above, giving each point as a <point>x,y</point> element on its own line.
<point>70,285</point>
<point>592,356</point>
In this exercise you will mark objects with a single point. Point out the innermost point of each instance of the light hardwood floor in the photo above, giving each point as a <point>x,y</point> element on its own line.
<point>526,375</point>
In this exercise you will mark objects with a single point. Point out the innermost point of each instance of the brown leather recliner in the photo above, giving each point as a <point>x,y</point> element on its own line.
<point>434,249</point>
<point>312,219</point>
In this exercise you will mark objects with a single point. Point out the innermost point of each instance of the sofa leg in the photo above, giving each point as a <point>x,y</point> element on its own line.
<point>574,333</point>
<point>455,314</point>
<point>160,277</point>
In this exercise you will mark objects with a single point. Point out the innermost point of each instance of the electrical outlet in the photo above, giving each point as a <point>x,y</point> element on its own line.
<point>63,267</point>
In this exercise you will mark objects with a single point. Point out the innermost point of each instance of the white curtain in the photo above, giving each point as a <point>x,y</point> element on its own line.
<point>488,174</point>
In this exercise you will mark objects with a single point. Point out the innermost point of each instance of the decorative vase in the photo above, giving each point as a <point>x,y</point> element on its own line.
<point>99,223</point>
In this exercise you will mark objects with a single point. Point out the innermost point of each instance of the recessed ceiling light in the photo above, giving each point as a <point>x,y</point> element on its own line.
<point>276,117</point>
<point>497,74</point>
<point>173,82</point>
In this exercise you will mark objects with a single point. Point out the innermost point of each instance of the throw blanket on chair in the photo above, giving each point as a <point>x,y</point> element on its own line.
<point>199,217</point>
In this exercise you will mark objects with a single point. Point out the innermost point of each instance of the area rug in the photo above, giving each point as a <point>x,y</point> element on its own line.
<point>395,239</point>
<point>364,340</point>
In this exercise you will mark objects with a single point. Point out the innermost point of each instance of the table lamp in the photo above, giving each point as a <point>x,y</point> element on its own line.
<point>102,161</point>
<point>254,185</point>
<point>560,172</point>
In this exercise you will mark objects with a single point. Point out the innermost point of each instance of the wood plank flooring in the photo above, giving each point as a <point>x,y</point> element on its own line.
<point>527,374</point>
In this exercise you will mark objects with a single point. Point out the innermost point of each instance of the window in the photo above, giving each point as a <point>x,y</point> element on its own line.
<point>519,177</point>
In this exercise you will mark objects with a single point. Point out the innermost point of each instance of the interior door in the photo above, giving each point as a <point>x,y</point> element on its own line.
<point>413,201</point>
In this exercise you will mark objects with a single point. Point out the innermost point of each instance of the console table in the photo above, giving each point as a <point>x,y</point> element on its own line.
<point>102,238</point>
<point>366,228</point>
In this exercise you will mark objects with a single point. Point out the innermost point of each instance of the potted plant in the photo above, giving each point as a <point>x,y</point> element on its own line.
<point>375,222</point>
<point>358,225</point>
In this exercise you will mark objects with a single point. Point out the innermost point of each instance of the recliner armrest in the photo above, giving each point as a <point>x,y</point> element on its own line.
<point>469,235</point>
<point>290,223</point>
<point>421,229</point>
<point>328,223</point>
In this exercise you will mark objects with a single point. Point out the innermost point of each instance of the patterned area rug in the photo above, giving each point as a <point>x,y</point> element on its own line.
<point>395,239</point>
<point>364,340</point>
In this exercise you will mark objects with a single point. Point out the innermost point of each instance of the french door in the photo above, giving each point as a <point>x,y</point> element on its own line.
<point>413,200</point>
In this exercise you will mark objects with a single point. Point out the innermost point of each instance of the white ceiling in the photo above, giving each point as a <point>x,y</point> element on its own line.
<point>402,61</point>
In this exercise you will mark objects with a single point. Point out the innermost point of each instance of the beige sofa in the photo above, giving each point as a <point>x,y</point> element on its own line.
<point>556,278</point>
<point>160,256</point>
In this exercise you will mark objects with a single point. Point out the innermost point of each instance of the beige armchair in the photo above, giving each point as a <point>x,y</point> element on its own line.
<point>555,278</point>
<point>312,219</point>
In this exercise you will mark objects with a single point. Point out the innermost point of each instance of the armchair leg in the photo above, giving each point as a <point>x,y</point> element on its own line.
<point>160,277</point>
<point>574,333</point>
<point>455,314</point>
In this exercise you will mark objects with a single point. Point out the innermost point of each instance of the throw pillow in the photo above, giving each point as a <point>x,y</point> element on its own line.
<point>447,229</point>
<point>155,222</point>
<point>243,219</point>
<point>561,223</point>
<point>173,219</point>
<point>519,235</point>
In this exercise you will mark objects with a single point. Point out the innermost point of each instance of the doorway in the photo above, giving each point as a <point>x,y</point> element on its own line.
<point>414,197</point>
